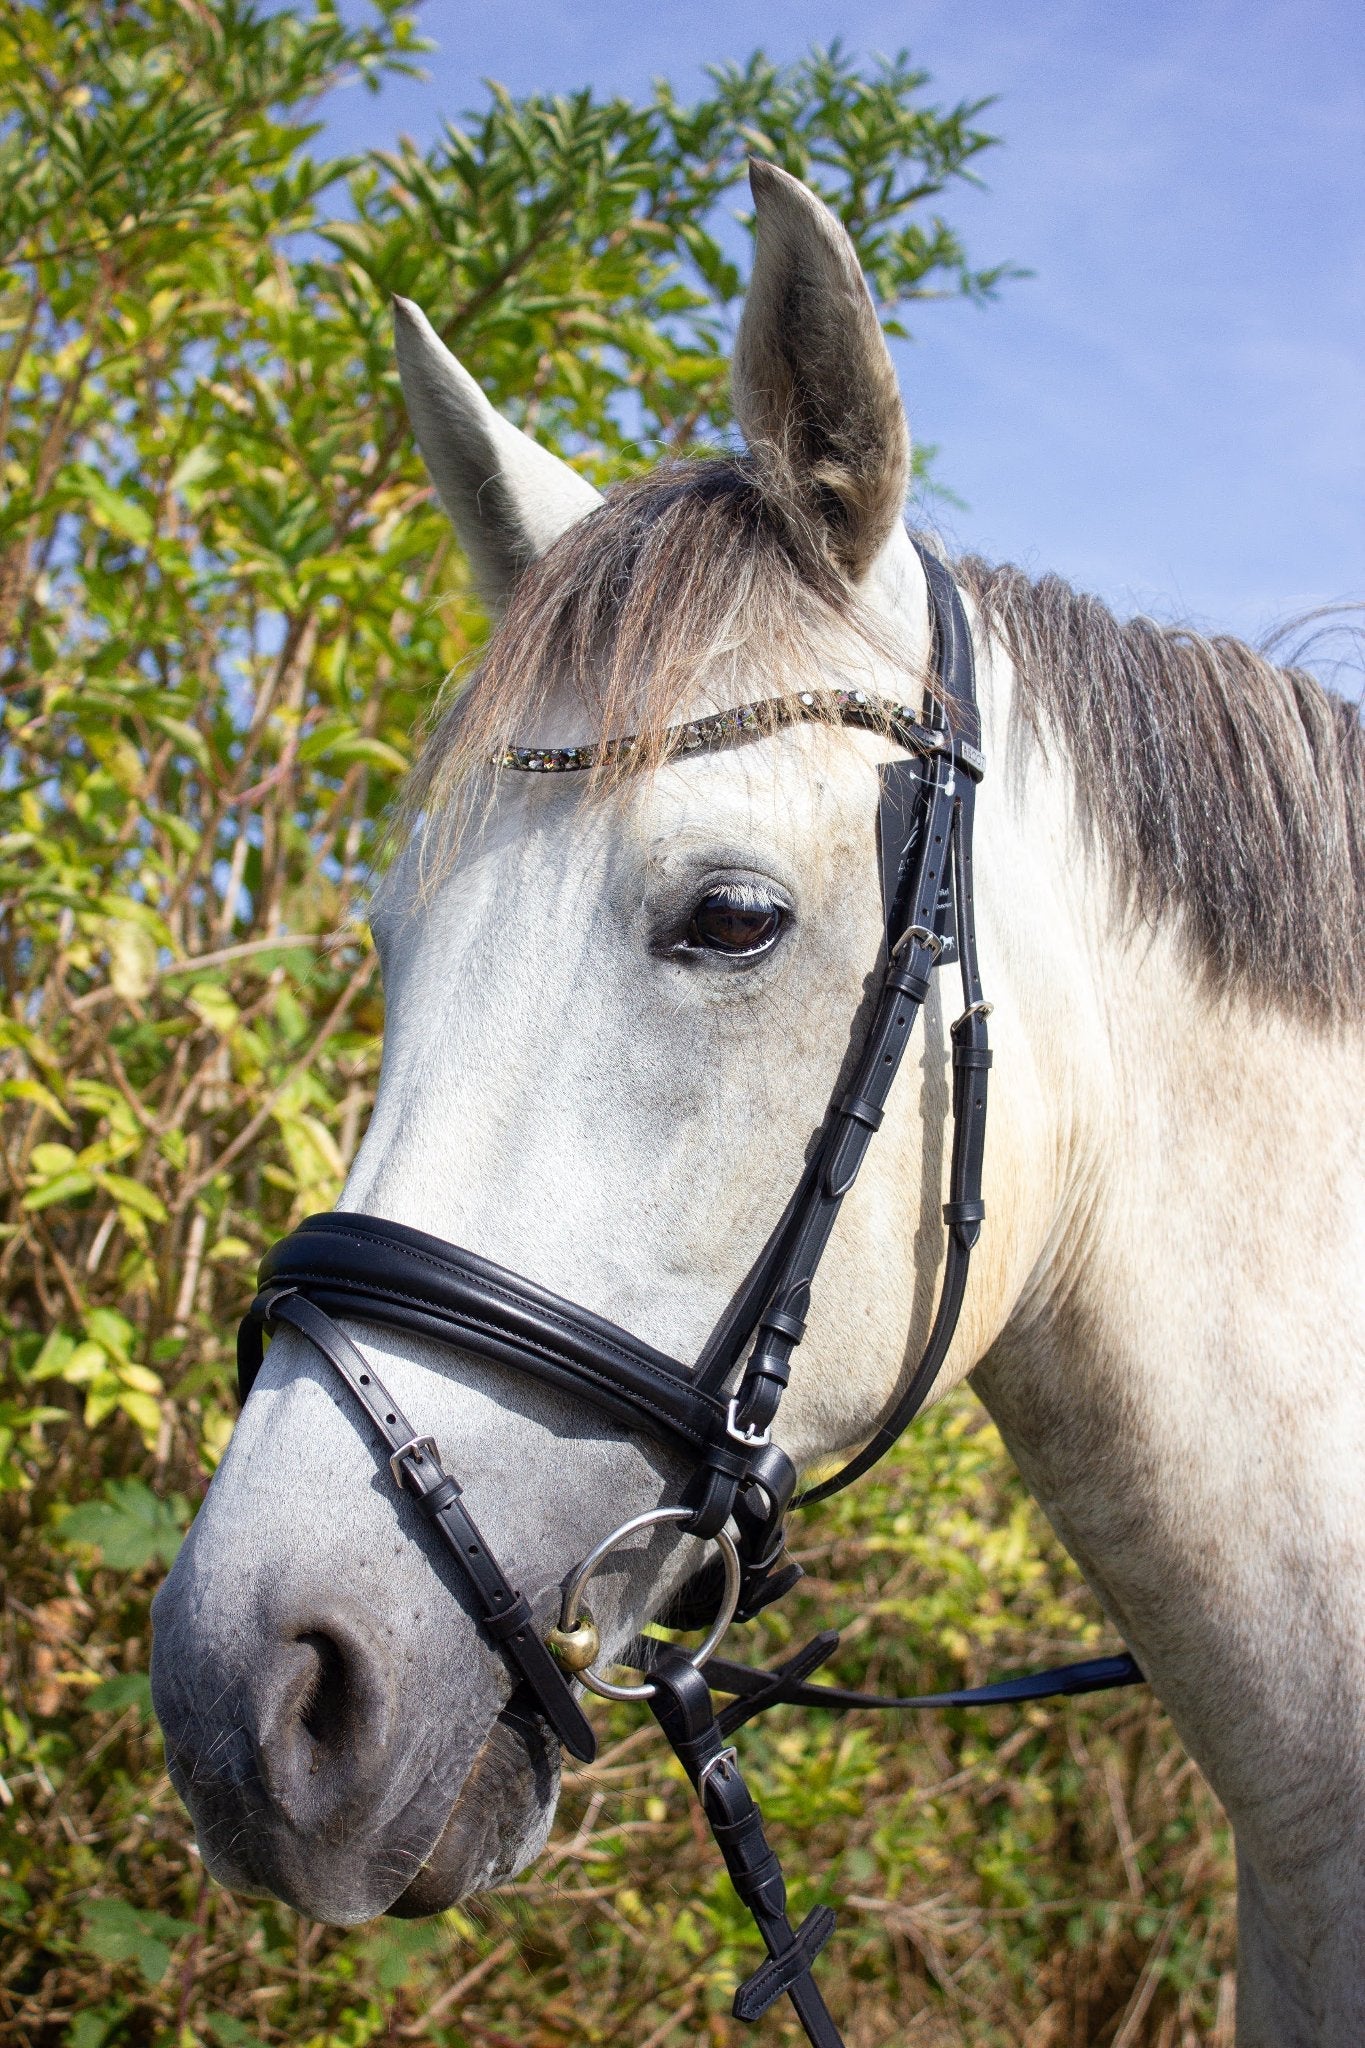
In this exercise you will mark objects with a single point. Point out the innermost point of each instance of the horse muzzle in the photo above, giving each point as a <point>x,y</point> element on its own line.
<point>309,1777</point>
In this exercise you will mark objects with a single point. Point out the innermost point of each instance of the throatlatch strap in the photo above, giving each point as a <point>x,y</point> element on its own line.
<point>964,1210</point>
<point>789,1265</point>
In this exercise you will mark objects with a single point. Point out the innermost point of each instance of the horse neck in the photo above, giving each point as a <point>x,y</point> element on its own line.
<point>1182,1383</point>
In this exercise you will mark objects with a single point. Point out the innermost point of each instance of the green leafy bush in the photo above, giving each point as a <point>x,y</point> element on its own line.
<point>226,600</point>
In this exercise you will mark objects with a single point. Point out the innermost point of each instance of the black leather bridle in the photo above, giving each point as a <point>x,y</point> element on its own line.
<point>719,1412</point>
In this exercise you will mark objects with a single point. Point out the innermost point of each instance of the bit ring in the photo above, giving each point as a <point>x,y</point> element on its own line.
<point>582,1573</point>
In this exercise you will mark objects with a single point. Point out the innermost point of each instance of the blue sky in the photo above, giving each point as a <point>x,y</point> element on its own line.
<point>1171,411</point>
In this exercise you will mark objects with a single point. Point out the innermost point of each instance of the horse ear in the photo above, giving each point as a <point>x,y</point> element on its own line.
<point>508,498</point>
<point>813,384</point>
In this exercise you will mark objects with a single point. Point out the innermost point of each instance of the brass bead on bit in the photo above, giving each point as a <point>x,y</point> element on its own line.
<point>575,1648</point>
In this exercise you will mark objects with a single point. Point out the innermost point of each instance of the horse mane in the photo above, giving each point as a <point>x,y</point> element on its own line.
<point>1223,788</point>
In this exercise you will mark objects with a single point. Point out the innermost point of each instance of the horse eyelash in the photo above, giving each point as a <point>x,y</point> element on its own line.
<point>745,896</point>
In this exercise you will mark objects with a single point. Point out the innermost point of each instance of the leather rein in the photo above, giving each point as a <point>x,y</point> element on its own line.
<point>720,1411</point>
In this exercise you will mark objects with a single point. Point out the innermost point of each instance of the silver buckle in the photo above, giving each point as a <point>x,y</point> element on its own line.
<point>931,941</point>
<point>721,1762</point>
<point>754,1439</point>
<point>413,1448</point>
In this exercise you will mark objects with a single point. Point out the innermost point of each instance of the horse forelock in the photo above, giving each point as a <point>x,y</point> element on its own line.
<point>694,587</point>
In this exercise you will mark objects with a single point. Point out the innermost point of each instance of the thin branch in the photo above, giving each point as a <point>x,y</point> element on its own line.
<point>305,1060</point>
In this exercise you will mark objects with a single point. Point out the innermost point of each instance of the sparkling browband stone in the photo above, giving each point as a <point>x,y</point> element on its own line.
<point>721,728</point>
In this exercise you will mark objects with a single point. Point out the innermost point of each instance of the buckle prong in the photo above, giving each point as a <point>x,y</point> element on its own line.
<point>752,1439</point>
<point>416,1447</point>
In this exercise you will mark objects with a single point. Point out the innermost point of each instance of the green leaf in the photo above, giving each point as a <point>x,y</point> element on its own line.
<point>231,2033</point>
<point>34,1091</point>
<point>19,1415</point>
<point>213,1003</point>
<point>231,1249</point>
<point>118,1932</point>
<point>133,1195</point>
<point>130,1528</point>
<point>93,2027</point>
<point>50,1159</point>
<point>63,1187</point>
<point>112,509</point>
<point>14,1900</point>
<point>130,1688</point>
<point>52,1360</point>
<point>199,463</point>
<point>141,1408</point>
<point>396,1947</point>
<point>132,959</point>
<point>340,743</point>
<point>112,1331</point>
<point>186,735</point>
<point>86,1363</point>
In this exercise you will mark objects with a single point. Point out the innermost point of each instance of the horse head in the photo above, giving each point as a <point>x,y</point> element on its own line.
<point>617,1004</point>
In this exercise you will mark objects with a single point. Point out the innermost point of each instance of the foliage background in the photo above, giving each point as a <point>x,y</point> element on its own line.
<point>225,602</point>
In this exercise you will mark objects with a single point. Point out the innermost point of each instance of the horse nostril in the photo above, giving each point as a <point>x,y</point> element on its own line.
<point>326,1709</point>
<point>326,1700</point>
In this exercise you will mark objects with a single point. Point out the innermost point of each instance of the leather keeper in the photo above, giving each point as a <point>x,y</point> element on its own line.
<point>972,1055</point>
<point>441,1495</point>
<point>862,1111</point>
<point>511,1622</point>
<point>964,1212</point>
<point>783,1324</point>
<point>710,1494</point>
<point>729,1460</point>
<point>912,982</point>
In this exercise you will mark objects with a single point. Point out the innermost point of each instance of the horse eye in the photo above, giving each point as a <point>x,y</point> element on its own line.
<point>724,923</point>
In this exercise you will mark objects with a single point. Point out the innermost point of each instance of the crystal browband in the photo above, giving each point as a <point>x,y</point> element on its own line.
<point>754,721</point>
